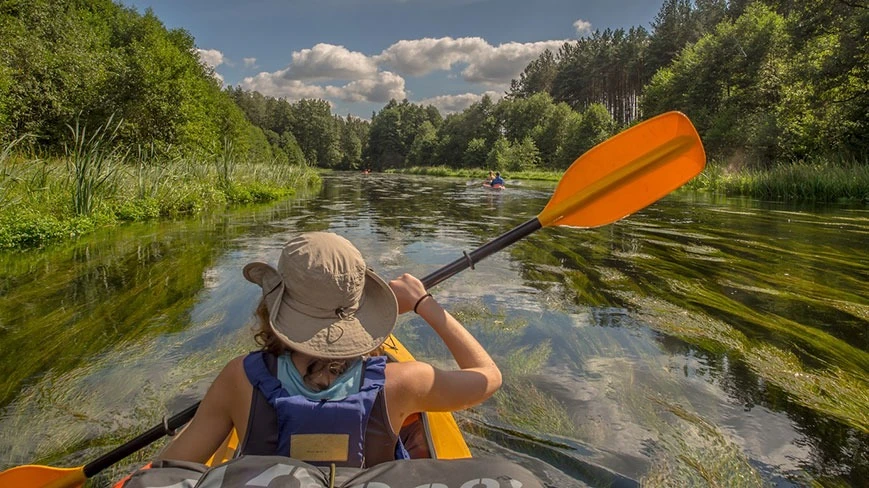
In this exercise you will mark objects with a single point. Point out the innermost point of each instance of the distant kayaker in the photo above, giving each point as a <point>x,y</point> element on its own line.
<point>313,392</point>
<point>497,180</point>
<point>490,177</point>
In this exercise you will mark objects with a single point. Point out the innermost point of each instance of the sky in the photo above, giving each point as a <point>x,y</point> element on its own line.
<point>359,54</point>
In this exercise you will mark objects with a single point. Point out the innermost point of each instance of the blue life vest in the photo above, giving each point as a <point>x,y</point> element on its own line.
<point>323,432</point>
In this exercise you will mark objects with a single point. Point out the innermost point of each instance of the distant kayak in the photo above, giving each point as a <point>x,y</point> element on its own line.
<point>494,188</point>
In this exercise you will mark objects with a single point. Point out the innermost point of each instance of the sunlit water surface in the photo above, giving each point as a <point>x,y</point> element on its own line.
<point>701,340</point>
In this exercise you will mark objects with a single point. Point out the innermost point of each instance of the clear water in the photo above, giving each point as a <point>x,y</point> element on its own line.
<point>702,340</point>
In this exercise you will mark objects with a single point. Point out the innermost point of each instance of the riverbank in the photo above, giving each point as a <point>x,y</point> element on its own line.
<point>45,200</point>
<point>800,181</point>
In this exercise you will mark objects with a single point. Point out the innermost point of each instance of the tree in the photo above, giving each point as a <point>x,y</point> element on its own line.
<point>607,67</point>
<point>478,121</point>
<point>475,153</point>
<point>536,77</point>
<point>66,60</point>
<point>673,29</point>
<point>728,83</point>
<point>316,132</point>
<point>423,149</point>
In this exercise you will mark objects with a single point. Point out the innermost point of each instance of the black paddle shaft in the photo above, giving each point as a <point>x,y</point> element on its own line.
<point>157,432</point>
<point>478,254</point>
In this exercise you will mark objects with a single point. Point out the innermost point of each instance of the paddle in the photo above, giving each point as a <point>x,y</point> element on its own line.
<point>612,180</point>
<point>50,477</point>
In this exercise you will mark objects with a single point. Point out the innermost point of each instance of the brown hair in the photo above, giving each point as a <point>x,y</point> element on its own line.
<point>270,343</point>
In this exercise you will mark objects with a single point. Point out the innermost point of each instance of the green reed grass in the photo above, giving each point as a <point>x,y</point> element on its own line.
<point>93,159</point>
<point>827,180</point>
<point>226,162</point>
<point>814,180</point>
<point>98,183</point>
<point>8,172</point>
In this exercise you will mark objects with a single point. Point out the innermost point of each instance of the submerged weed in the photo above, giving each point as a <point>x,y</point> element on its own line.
<point>689,451</point>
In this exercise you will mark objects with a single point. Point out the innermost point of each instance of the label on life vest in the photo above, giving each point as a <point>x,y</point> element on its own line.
<point>320,447</point>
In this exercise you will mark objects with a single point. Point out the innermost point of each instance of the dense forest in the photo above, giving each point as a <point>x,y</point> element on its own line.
<point>84,61</point>
<point>764,81</point>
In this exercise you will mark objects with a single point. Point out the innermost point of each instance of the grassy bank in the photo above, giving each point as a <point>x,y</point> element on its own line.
<point>97,184</point>
<point>821,181</point>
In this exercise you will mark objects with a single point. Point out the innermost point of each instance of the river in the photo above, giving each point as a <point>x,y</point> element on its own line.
<point>701,340</point>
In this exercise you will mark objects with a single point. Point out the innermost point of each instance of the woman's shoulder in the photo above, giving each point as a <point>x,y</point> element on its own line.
<point>233,370</point>
<point>407,373</point>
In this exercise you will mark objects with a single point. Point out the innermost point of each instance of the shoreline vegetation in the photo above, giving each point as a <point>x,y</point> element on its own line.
<point>822,181</point>
<point>99,184</point>
<point>785,121</point>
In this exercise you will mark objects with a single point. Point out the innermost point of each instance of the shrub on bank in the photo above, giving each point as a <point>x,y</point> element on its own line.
<point>24,229</point>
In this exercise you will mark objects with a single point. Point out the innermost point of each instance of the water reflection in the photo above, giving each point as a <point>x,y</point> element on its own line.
<point>690,334</point>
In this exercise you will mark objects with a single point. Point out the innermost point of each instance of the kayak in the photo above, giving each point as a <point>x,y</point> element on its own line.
<point>432,435</point>
<point>494,188</point>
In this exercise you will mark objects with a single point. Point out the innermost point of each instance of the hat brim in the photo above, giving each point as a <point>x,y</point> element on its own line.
<point>333,337</point>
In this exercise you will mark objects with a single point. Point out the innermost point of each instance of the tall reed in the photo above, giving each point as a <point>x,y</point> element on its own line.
<point>153,171</point>
<point>8,173</point>
<point>820,180</point>
<point>92,159</point>
<point>226,164</point>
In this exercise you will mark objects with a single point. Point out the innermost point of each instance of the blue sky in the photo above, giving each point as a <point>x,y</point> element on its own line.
<point>360,53</point>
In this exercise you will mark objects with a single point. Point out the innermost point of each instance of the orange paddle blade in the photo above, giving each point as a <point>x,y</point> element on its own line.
<point>626,173</point>
<point>34,476</point>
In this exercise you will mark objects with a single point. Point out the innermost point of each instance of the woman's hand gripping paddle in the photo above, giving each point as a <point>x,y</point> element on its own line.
<point>614,179</point>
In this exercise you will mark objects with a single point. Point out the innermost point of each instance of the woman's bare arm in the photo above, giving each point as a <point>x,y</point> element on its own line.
<point>212,422</point>
<point>426,388</point>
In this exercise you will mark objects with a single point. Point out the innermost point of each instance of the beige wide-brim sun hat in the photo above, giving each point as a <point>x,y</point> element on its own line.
<point>323,300</point>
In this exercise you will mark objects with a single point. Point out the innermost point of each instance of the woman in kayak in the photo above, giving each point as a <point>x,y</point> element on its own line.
<point>497,180</point>
<point>313,392</point>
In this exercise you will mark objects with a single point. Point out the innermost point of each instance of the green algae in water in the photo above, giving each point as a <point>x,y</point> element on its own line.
<point>834,391</point>
<point>690,451</point>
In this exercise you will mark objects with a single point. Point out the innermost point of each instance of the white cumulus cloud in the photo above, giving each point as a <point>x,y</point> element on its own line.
<point>249,62</point>
<point>330,62</point>
<point>334,72</point>
<point>488,64</point>
<point>499,65</point>
<point>583,27</point>
<point>380,88</point>
<point>422,56</point>
<point>211,57</point>
<point>457,103</point>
